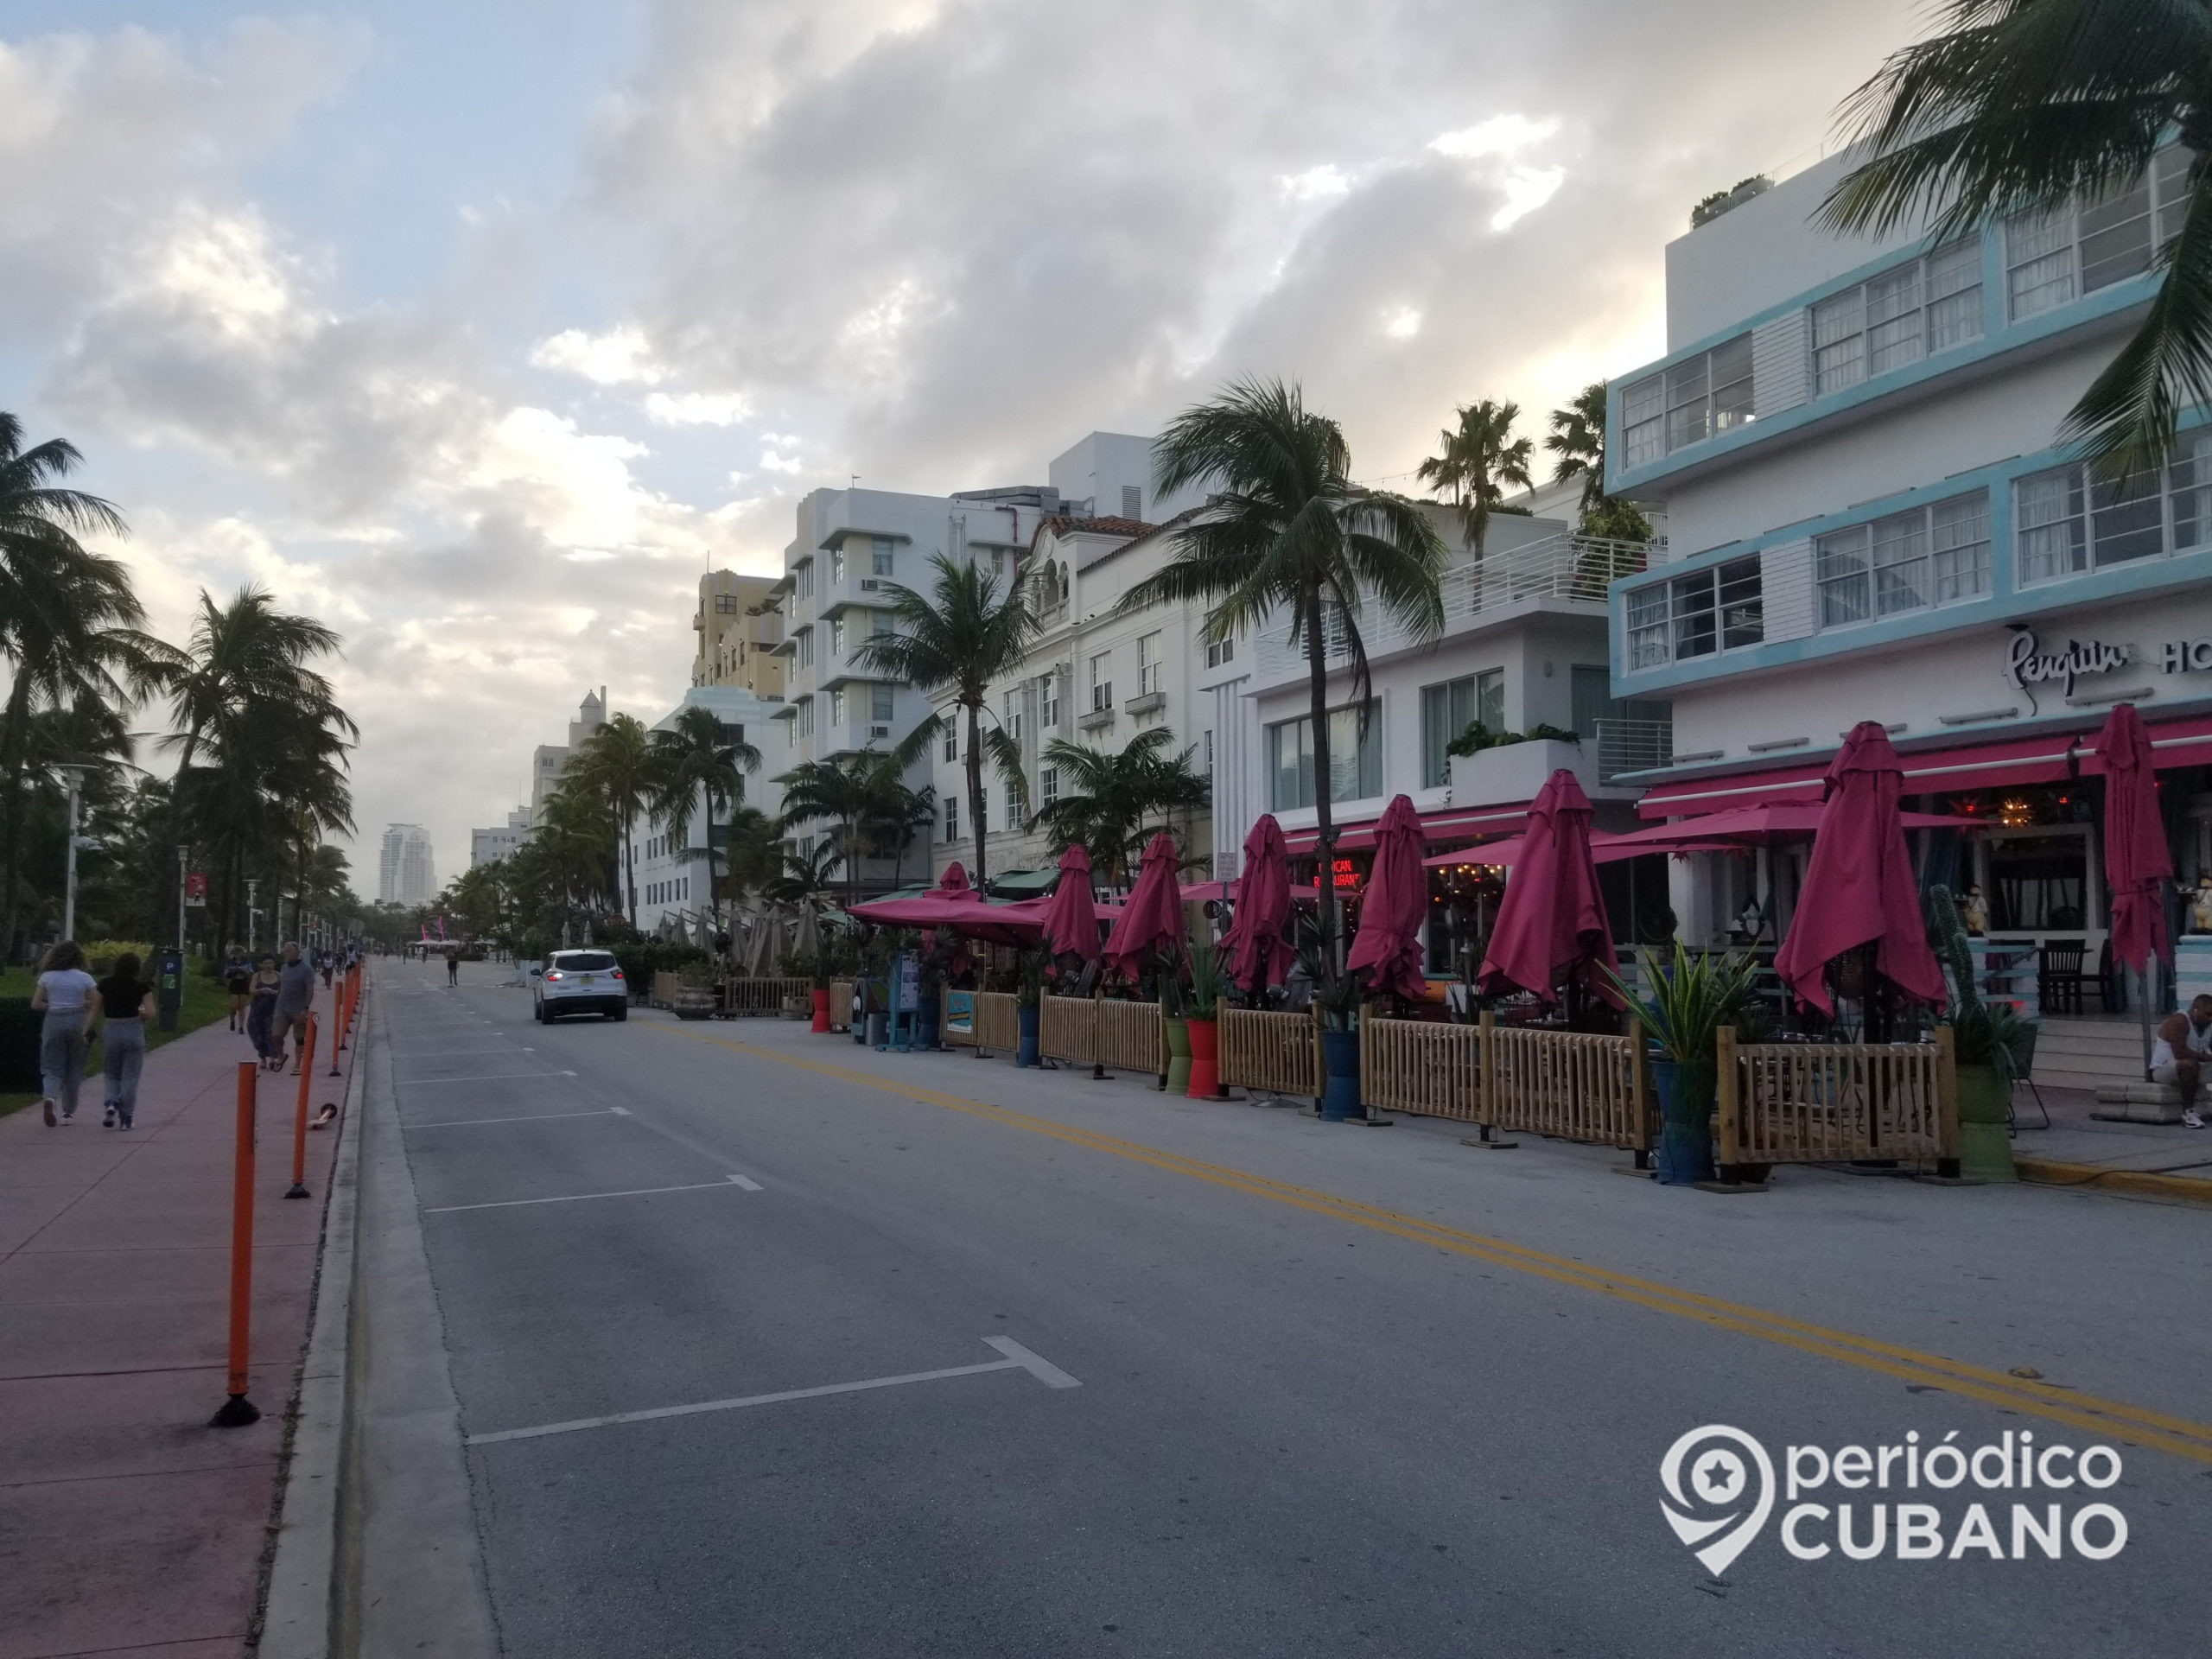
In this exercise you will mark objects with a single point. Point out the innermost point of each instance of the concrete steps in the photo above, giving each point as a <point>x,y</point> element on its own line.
<point>2088,1053</point>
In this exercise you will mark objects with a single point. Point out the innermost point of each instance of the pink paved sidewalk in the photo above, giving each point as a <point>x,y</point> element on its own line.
<point>127,1525</point>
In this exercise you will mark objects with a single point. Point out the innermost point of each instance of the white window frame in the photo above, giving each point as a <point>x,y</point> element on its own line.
<point>837,565</point>
<point>2054,258</point>
<point>882,702</point>
<point>1661,617</point>
<point>1365,751</point>
<point>805,721</point>
<point>1897,317</point>
<point>2067,522</point>
<point>1048,786</point>
<point>1920,559</point>
<point>952,816</point>
<point>1149,663</point>
<point>837,705</point>
<point>1706,393</point>
<point>1221,652</point>
<point>1101,682</point>
<point>879,556</point>
<point>1048,703</point>
<point>804,583</point>
<point>1010,714</point>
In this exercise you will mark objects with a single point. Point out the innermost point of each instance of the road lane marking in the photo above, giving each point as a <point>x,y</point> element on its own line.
<point>494,1077</point>
<point>2178,1436</point>
<point>519,1117</point>
<point>1018,1359</point>
<point>723,1186</point>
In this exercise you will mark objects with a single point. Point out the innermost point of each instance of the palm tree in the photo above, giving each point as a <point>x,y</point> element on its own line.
<point>1480,456</point>
<point>1577,438</point>
<point>1107,798</point>
<point>617,762</point>
<point>699,762</point>
<point>756,853</point>
<point>863,794</point>
<point>1287,529</point>
<point>2028,106</point>
<point>962,637</point>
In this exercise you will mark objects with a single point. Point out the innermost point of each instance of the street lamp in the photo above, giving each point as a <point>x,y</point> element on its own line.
<point>252,889</point>
<point>76,777</point>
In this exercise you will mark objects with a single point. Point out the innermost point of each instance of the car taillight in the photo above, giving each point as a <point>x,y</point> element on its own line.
<point>554,973</point>
<point>618,972</point>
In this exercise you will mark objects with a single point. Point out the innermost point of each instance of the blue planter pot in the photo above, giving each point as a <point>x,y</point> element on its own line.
<point>1686,1097</point>
<point>1340,1088</point>
<point>925,1024</point>
<point>1026,1054</point>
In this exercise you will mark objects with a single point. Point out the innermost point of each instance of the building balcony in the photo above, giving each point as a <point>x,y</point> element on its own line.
<point>1625,746</point>
<point>1149,703</point>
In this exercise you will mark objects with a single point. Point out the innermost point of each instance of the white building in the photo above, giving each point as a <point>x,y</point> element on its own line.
<point>489,846</point>
<point>1872,517</point>
<point>548,760</point>
<point>669,862</point>
<point>406,873</point>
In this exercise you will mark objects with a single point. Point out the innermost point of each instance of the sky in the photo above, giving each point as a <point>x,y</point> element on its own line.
<point>481,328</point>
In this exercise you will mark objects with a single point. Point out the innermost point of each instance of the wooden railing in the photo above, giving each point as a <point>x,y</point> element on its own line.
<point>756,999</point>
<point>997,1022</point>
<point>1572,1085</point>
<point>1130,1038</point>
<point>664,993</point>
<point>1268,1051</point>
<point>1834,1102</point>
<point>841,1004</point>
<point>1414,1065</point>
<point>1067,1029</point>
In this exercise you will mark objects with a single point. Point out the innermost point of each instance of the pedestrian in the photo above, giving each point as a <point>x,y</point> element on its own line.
<point>238,980</point>
<point>261,1018</point>
<point>323,957</point>
<point>126,1005</point>
<point>64,994</point>
<point>2178,1055</point>
<point>453,964</point>
<point>295,997</point>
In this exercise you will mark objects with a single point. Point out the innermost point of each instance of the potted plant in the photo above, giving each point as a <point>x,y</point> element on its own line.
<point>812,966</point>
<point>1208,987</point>
<point>1337,997</point>
<point>1028,1004</point>
<point>1176,1079</point>
<point>1987,1042</point>
<point>1691,998</point>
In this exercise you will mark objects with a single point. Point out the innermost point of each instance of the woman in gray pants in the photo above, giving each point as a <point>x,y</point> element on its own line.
<point>126,1004</point>
<point>64,995</point>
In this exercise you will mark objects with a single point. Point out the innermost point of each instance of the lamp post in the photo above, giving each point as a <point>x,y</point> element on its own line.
<point>184,874</point>
<point>252,891</point>
<point>76,777</point>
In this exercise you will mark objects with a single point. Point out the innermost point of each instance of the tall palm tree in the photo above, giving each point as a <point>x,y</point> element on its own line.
<point>1577,438</point>
<point>1287,529</point>
<point>2030,105</point>
<point>1108,799</point>
<point>617,762</point>
<point>863,794</point>
<point>966,634</point>
<point>1477,458</point>
<point>699,763</point>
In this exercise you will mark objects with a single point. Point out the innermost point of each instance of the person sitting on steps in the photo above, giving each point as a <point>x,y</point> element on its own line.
<point>2178,1056</point>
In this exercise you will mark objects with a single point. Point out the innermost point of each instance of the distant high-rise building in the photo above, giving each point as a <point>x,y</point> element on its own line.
<point>405,874</point>
<point>739,628</point>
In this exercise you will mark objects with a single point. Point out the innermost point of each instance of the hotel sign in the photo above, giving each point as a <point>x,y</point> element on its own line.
<point>2029,664</point>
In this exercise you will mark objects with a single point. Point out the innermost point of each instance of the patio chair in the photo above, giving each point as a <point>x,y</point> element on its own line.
<point>2058,976</point>
<point>2025,1074</point>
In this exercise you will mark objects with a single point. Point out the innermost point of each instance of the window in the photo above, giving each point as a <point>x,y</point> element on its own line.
<point>726,604</point>
<point>1446,711</point>
<point>880,701</point>
<point>1205,749</point>
<point>1011,704</point>
<point>837,707</point>
<point>1355,759</point>
<point>951,736</point>
<point>952,817</point>
<point>2052,257</point>
<point>806,579</point>
<point>836,566</point>
<point>836,640</point>
<point>1490,699</point>
<point>1923,307</point>
<point>1709,610</point>
<point>1220,651</point>
<point>1048,786</point>
<point>1905,562</point>
<point>879,555</point>
<point>1013,806</point>
<point>805,721</point>
<point>1148,667</point>
<point>2077,518</point>
<point>879,624</point>
<point>1101,682</point>
<point>806,647</point>
<point>1048,701</point>
<point>1133,501</point>
<point>1689,403</point>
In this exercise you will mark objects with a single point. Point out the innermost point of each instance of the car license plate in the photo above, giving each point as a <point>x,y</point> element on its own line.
<point>589,978</point>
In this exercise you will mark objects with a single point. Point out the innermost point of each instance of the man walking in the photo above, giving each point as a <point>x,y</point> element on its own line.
<point>2178,1056</point>
<point>453,964</point>
<point>295,997</point>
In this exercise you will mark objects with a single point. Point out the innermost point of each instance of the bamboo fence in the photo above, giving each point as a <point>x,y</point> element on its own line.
<point>1836,1103</point>
<point>1569,1084</point>
<point>1273,1052</point>
<point>997,1025</point>
<point>759,999</point>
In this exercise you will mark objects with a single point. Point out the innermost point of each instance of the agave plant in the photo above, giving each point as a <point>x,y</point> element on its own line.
<point>1982,1033</point>
<point>1209,982</point>
<point>1691,998</point>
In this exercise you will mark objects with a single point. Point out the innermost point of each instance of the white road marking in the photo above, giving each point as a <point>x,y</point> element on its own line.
<point>1018,1359</point>
<point>492,1076</point>
<point>519,1117</point>
<point>578,1197</point>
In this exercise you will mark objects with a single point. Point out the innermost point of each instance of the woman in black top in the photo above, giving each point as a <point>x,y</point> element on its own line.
<point>126,1006</point>
<point>238,980</point>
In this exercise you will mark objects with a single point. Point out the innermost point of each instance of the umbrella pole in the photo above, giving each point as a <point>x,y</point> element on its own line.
<point>2143,1007</point>
<point>1098,1027</point>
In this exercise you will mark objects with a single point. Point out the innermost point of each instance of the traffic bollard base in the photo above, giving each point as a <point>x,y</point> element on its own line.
<point>298,1192</point>
<point>237,1411</point>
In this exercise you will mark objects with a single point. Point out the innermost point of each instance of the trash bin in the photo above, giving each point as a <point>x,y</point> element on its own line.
<point>168,984</point>
<point>19,1040</point>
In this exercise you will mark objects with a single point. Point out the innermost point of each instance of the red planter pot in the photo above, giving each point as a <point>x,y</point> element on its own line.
<point>1206,1060</point>
<point>821,1009</point>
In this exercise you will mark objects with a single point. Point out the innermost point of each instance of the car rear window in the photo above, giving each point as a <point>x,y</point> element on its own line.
<point>584,962</point>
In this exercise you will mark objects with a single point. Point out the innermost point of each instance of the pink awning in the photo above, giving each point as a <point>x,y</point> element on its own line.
<point>1444,823</point>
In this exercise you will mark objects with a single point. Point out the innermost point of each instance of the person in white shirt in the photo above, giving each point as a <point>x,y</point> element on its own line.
<point>66,996</point>
<point>2178,1056</point>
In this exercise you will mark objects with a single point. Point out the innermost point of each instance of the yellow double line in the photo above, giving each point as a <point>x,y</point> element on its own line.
<point>2110,1418</point>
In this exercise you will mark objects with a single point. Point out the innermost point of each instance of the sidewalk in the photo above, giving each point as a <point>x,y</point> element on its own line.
<point>126,1523</point>
<point>2153,1159</point>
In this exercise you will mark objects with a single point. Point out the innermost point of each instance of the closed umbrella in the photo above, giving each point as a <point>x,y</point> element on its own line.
<point>1552,920</point>
<point>1071,926</point>
<point>1152,919</point>
<point>1394,907</point>
<point>1258,953</point>
<point>2136,857</point>
<point>1858,886</point>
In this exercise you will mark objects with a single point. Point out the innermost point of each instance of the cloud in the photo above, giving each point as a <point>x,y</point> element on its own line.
<point>621,355</point>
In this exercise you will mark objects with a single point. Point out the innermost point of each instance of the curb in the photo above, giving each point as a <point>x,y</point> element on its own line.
<point>2050,1171</point>
<point>295,1620</point>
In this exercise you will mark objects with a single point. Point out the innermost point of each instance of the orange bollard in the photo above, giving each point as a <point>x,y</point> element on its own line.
<point>237,1411</point>
<point>300,1123</point>
<point>338,1028</point>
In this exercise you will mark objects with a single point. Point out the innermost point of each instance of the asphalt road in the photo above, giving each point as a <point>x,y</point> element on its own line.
<point>1224,1379</point>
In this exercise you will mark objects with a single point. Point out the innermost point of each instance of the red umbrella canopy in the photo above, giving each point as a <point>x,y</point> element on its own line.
<point>1258,953</point>
<point>1858,886</point>
<point>1396,905</point>
<point>1152,919</point>
<point>1552,917</point>
<point>2136,858</point>
<point>1071,914</point>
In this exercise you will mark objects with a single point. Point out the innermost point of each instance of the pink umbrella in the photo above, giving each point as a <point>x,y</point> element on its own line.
<point>2136,859</point>
<point>1552,917</point>
<point>1859,887</point>
<point>956,907</point>
<point>1071,913</point>
<point>1390,917</point>
<point>1151,917</point>
<point>1258,954</point>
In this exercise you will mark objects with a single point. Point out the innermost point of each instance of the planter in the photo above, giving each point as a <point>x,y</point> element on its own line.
<point>926,1018</point>
<point>1340,1089</point>
<point>820,1009</point>
<point>1206,1060</point>
<point>877,1034</point>
<point>1026,1018</point>
<point>1686,1100</point>
<point>1177,1080</point>
<point>1985,1149</point>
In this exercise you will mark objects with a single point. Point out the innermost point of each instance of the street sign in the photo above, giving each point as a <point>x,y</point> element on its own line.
<point>195,889</point>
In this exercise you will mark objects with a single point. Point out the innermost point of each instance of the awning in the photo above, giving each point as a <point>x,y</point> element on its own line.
<point>2053,758</point>
<point>1444,823</point>
<point>1023,884</point>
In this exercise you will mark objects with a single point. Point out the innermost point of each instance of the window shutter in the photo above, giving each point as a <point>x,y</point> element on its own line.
<point>1779,368</point>
<point>1786,584</point>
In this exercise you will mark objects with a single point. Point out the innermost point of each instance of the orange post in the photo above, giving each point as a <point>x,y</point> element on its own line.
<point>338,1025</point>
<point>300,1122</point>
<point>237,1411</point>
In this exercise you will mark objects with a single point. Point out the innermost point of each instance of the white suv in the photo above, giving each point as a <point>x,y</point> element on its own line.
<point>581,982</point>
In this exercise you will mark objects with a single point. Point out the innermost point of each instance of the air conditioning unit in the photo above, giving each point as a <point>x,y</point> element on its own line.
<point>870,585</point>
<point>878,731</point>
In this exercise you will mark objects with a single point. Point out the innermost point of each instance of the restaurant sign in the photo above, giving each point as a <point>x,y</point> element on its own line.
<point>2028,664</point>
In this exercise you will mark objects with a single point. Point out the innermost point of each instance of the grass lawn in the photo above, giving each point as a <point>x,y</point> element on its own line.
<point>205,1003</point>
